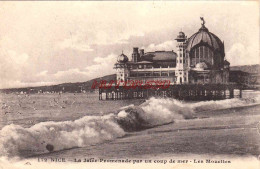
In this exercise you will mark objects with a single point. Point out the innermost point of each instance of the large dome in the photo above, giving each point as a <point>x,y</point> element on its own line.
<point>203,36</point>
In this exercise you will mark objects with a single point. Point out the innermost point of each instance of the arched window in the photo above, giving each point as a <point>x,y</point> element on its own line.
<point>201,54</point>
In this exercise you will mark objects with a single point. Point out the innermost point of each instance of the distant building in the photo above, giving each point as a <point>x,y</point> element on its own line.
<point>199,59</point>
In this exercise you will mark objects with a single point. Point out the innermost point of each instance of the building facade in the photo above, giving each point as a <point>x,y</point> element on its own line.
<point>199,59</point>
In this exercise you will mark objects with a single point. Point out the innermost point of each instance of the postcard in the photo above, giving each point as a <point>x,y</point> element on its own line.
<point>129,84</point>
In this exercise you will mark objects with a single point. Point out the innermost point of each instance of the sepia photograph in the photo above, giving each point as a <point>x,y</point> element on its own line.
<point>129,84</point>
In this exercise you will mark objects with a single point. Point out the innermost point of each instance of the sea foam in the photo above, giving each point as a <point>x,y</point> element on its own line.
<point>18,141</point>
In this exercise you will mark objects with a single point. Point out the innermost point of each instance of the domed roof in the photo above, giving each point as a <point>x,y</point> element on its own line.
<point>181,36</point>
<point>160,56</point>
<point>203,36</point>
<point>122,58</point>
<point>201,66</point>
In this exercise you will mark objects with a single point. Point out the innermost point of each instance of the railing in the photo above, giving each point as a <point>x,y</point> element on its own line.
<point>156,78</point>
<point>154,69</point>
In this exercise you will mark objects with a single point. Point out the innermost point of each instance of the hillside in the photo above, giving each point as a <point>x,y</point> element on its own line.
<point>247,68</point>
<point>64,87</point>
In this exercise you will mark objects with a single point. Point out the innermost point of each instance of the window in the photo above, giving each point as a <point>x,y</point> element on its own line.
<point>180,61</point>
<point>206,52</point>
<point>197,53</point>
<point>201,51</point>
<point>164,73</point>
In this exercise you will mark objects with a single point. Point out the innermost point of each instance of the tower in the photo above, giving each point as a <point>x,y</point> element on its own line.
<point>182,60</point>
<point>135,55</point>
<point>122,71</point>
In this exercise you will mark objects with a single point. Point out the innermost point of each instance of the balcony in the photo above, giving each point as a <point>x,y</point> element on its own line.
<point>153,78</point>
<point>154,69</point>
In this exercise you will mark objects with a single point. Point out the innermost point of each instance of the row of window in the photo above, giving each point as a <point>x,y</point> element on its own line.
<point>150,66</point>
<point>202,52</point>
<point>184,61</point>
<point>182,55</point>
<point>152,74</point>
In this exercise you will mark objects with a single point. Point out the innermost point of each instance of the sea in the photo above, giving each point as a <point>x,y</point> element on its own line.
<point>78,125</point>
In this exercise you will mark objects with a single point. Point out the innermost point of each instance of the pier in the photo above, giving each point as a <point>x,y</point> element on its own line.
<point>194,92</point>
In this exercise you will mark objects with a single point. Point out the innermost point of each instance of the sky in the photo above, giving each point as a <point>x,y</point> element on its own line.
<point>45,43</point>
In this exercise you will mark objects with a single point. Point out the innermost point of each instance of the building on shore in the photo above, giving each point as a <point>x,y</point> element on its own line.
<point>199,59</point>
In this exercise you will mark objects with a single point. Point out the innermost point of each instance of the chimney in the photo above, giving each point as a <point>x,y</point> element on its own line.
<point>135,55</point>
<point>141,52</point>
<point>135,50</point>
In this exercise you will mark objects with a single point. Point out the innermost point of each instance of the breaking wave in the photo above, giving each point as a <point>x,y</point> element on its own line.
<point>51,136</point>
<point>152,113</point>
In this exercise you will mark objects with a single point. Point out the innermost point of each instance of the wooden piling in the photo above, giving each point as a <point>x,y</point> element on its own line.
<point>185,92</point>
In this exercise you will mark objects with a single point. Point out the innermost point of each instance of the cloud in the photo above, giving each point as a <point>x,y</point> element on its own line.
<point>83,40</point>
<point>75,43</point>
<point>70,72</point>
<point>18,58</point>
<point>42,73</point>
<point>12,65</point>
<point>240,54</point>
<point>102,66</point>
<point>167,46</point>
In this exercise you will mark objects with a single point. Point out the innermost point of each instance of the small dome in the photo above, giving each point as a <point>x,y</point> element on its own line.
<point>201,66</point>
<point>181,36</point>
<point>122,58</point>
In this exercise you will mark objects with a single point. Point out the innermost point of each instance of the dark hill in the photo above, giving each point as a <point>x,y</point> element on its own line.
<point>247,68</point>
<point>64,87</point>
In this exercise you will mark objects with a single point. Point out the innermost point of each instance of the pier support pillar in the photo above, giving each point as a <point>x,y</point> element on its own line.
<point>231,93</point>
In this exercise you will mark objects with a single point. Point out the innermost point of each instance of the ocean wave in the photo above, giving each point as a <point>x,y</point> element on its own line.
<point>51,136</point>
<point>152,113</point>
<point>224,104</point>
